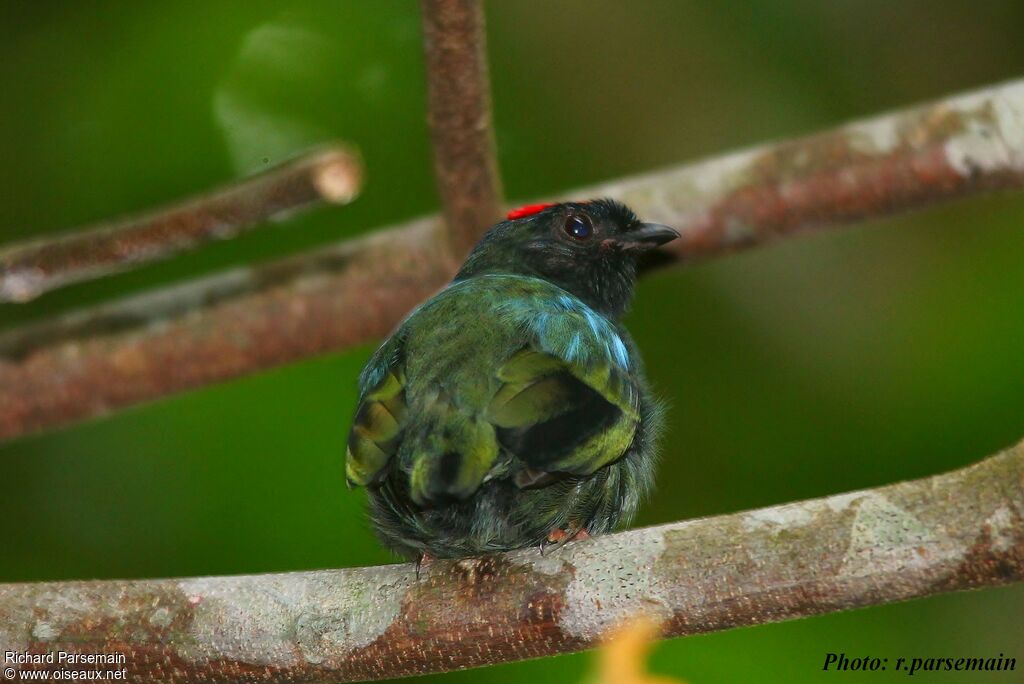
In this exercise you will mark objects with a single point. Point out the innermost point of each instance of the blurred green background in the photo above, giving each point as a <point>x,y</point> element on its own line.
<point>829,363</point>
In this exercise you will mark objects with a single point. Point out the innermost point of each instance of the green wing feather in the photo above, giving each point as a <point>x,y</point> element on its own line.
<point>549,393</point>
<point>563,417</point>
<point>374,437</point>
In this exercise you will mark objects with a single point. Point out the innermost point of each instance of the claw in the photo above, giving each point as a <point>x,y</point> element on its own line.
<point>559,537</point>
<point>424,559</point>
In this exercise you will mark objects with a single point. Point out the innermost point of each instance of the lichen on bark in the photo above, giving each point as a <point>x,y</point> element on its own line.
<point>960,530</point>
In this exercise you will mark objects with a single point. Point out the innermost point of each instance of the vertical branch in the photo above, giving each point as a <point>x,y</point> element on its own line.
<point>459,115</point>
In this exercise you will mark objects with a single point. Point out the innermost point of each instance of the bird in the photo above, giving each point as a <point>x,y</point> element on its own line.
<point>512,408</point>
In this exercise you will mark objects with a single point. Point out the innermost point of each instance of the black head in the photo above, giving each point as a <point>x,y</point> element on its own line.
<point>588,248</point>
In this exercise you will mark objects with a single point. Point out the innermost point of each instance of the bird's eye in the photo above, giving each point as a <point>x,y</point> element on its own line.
<point>578,227</point>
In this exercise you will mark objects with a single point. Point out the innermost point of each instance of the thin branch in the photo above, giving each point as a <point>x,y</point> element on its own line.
<point>90,363</point>
<point>333,174</point>
<point>459,113</point>
<point>951,532</point>
<point>215,328</point>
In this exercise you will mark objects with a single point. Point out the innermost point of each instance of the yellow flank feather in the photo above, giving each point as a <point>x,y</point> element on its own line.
<point>528,403</point>
<point>527,365</point>
<point>378,423</point>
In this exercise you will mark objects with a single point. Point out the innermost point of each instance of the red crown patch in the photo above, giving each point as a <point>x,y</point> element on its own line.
<point>528,210</point>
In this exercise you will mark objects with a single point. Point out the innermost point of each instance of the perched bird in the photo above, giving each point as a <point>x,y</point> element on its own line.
<point>511,409</point>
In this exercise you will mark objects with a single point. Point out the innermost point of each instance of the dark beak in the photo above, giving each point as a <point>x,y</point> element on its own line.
<point>646,236</point>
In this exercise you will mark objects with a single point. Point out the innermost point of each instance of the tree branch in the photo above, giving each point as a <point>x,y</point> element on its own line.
<point>93,362</point>
<point>333,174</point>
<point>459,114</point>
<point>960,530</point>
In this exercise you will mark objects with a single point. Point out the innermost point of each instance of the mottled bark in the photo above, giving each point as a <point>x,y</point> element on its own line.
<point>960,530</point>
<point>333,174</point>
<point>90,363</point>
<point>459,114</point>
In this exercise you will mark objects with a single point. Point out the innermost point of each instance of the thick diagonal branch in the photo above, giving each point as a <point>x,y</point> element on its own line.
<point>93,362</point>
<point>333,174</point>
<point>961,530</point>
<point>459,113</point>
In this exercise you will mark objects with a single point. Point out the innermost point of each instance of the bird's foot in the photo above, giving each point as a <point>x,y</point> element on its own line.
<point>562,536</point>
<point>424,559</point>
<point>559,537</point>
